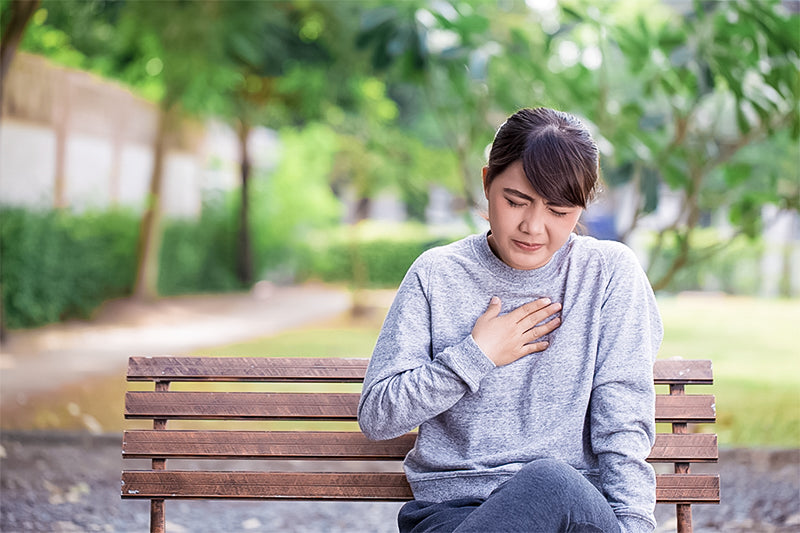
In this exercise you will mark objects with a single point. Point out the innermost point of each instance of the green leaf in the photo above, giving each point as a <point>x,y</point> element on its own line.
<point>737,173</point>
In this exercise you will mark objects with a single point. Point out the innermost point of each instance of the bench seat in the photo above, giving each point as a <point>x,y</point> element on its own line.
<point>354,479</point>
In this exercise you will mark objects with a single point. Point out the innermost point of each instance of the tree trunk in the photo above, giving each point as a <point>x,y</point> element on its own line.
<point>149,247</point>
<point>20,13</point>
<point>362,208</point>
<point>244,263</point>
<point>684,235</point>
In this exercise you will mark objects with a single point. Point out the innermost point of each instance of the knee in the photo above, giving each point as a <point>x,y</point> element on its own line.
<point>550,471</point>
<point>544,476</point>
<point>555,478</point>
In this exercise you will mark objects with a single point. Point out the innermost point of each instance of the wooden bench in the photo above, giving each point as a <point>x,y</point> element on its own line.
<point>159,483</point>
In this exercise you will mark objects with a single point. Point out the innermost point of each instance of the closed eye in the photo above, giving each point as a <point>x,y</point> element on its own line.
<point>558,213</point>
<point>512,203</point>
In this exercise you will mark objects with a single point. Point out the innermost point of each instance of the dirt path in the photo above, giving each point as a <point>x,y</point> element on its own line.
<point>44,359</point>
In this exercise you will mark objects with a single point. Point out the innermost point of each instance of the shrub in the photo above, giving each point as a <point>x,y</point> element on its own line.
<point>57,265</point>
<point>200,255</point>
<point>294,199</point>
<point>366,255</point>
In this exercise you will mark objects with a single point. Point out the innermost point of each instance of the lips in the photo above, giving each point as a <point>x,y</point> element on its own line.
<point>527,246</point>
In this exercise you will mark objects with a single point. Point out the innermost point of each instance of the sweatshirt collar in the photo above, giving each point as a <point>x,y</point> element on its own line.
<point>502,270</point>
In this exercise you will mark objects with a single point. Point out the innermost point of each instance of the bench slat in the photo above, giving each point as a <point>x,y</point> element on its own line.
<point>687,448</point>
<point>338,445</point>
<point>349,370</point>
<point>695,408</point>
<point>687,488</point>
<point>267,369</point>
<point>670,488</point>
<point>683,371</point>
<point>242,405</point>
<point>328,445</point>
<point>266,485</point>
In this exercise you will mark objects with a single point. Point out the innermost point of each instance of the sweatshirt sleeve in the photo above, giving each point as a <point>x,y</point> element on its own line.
<point>622,406</point>
<point>405,383</point>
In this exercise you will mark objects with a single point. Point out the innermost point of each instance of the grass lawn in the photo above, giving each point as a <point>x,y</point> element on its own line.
<point>753,346</point>
<point>750,341</point>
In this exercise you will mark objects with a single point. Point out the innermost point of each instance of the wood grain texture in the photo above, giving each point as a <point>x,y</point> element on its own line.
<point>267,485</point>
<point>257,369</point>
<point>683,371</point>
<point>341,445</point>
<point>687,488</point>
<point>694,408</point>
<point>691,448</point>
<point>328,445</point>
<point>333,369</point>
<point>670,488</point>
<point>241,405</point>
<point>160,445</point>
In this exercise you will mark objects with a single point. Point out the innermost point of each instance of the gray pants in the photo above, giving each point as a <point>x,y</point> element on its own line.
<point>545,496</point>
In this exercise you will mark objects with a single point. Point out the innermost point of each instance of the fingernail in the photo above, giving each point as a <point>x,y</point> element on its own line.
<point>495,300</point>
<point>545,301</point>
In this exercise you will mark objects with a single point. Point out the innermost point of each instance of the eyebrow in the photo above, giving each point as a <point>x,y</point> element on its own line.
<point>518,194</point>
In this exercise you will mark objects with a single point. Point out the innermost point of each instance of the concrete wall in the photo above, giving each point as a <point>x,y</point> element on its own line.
<point>71,139</point>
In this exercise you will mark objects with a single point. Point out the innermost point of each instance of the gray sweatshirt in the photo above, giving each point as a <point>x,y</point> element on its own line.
<point>588,399</point>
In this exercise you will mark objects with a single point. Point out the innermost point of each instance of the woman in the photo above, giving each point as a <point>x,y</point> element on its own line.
<point>524,356</point>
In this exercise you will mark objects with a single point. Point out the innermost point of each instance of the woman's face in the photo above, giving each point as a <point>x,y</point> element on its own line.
<point>526,229</point>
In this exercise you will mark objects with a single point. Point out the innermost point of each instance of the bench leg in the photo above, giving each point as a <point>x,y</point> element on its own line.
<point>684,514</point>
<point>157,517</point>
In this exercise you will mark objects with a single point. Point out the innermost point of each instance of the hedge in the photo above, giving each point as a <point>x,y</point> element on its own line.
<point>56,265</point>
<point>373,256</point>
<point>199,255</point>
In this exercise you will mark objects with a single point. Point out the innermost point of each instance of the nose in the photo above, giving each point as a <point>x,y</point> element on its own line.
<point>533,222</point>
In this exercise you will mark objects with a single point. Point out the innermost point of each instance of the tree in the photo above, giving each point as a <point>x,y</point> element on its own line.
<point>443,50</point>
<point>16,15</point>
<point>15,18</point>
<point>727,79</point>
<point>181,45</point>
<point>675,98</point>
<point>264,45</point>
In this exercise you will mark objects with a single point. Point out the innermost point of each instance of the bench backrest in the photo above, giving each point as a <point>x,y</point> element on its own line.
<point>320,408</point>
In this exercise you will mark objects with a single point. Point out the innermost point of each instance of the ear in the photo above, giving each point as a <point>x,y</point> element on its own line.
<point>485,184</point>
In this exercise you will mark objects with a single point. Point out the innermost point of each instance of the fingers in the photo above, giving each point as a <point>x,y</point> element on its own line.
<point>536,347</point>
<point>531,319</point>
<point>529,308</point>
<point>531,345</point>
<point>506,338</point>
<point>540,331</point>
<point>495,305</point>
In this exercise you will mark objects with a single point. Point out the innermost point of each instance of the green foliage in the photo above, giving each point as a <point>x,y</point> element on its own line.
<point>295,198</point>
<point>715,263</point>
<point>200,256</point>
<point>56,265</point>
<point>367,254</point>
<point>703,100</point>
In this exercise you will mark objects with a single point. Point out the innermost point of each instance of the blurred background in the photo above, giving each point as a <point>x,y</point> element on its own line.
<point>185,151</point>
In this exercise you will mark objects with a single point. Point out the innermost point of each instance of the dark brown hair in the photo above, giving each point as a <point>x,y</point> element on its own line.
<point>558,154</point>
